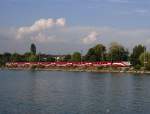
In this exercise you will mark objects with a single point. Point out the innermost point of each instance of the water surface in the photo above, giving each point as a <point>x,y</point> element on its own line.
<point>52,92</point>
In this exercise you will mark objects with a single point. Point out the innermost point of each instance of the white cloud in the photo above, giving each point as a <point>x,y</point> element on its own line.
<point>43,38</point>
<point>61,22</point>
<point>91,38</point>
<point>39,26</point>
<point>73,37</point>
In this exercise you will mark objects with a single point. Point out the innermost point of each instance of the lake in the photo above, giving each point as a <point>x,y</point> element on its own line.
<point>54,92</point>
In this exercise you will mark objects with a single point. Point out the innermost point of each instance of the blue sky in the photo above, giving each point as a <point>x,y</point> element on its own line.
<point>118,13</point>
<point>102,20</point>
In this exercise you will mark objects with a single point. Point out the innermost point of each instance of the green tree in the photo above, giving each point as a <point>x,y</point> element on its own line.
<point>16,57</point>
<point>117,52</point>
<point>4,58</point>
<point>33,58</point>
<point>67,58</point>
<point>76,57</point>
<point>33,49</point>
<point>145,60</point>
<point>90,56</point>
<point>137,51</point>
<point>2,61</point>
<point>144,57</point>
<point>96,53</point>
<point>51,59</point>
<point>27,56</point>
<point>7,57</point>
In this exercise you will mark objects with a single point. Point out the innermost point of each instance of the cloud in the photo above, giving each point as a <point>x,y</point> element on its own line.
<point>42,38</point>
<point>40,25</point>
<point>61,22</point>
<point>61,38</point>
<point>91,38</point>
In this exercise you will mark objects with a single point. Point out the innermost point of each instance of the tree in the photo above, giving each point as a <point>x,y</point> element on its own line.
<point>76,57</point>
<point>27,56</point>
<point>96,53</point>
<point>4,58</point>
<point>137,51</point>
<point>67,58</point>
<point>99,52</point>
<point>90,56</point>
<point>2,62</point>
<point>51,59</point>
<point>7,57</point>
<point>15,57</point>
<point>33,49</point>
<point>118,52</point>
<point>145,60</point>
<point>30,57</point>
<point>33,58</point>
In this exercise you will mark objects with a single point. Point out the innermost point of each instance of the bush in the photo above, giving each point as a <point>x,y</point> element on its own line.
<point>137,67</point>
<point>147,67</point>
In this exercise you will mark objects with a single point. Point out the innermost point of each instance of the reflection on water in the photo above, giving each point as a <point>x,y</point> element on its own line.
<point>43,92</point>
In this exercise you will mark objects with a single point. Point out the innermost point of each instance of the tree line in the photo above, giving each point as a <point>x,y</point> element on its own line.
<point>139,57</point>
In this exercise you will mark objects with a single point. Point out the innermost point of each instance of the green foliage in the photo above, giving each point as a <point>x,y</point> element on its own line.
<point>76,57</point>
<point>90,56</point>
<point>137,67</point>
<point>51,59</point>
<point>33,49</point>
<point>144,57</point>
<point>147,67</point>
<point>96,53</point>
<point>2,62</point>
<point>27,56</point>
<point>145,60</point>
<point>137,51</point>
<point>33,58</point>
<point>6,57</point>
<point>67,58</point>
<point>117,52</point>
<point>16,58</point>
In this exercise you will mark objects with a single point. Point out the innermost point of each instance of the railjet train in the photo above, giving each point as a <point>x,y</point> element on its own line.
<point>65,64</point>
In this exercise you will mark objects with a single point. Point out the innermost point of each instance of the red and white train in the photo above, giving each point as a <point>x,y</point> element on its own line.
<point>65,64</point>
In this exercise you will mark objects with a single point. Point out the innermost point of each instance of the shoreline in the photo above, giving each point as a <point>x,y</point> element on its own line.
<point>79,70</point>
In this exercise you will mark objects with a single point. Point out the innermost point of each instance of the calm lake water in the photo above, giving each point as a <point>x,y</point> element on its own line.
<point>52,92</point>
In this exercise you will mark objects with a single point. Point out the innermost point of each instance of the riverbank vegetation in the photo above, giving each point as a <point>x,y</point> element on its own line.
<point>138,57</point>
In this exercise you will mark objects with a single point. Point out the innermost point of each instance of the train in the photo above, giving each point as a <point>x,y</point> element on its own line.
<point>78,64</point>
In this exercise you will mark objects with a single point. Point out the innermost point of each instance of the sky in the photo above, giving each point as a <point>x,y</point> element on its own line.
<point>64,26</point>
